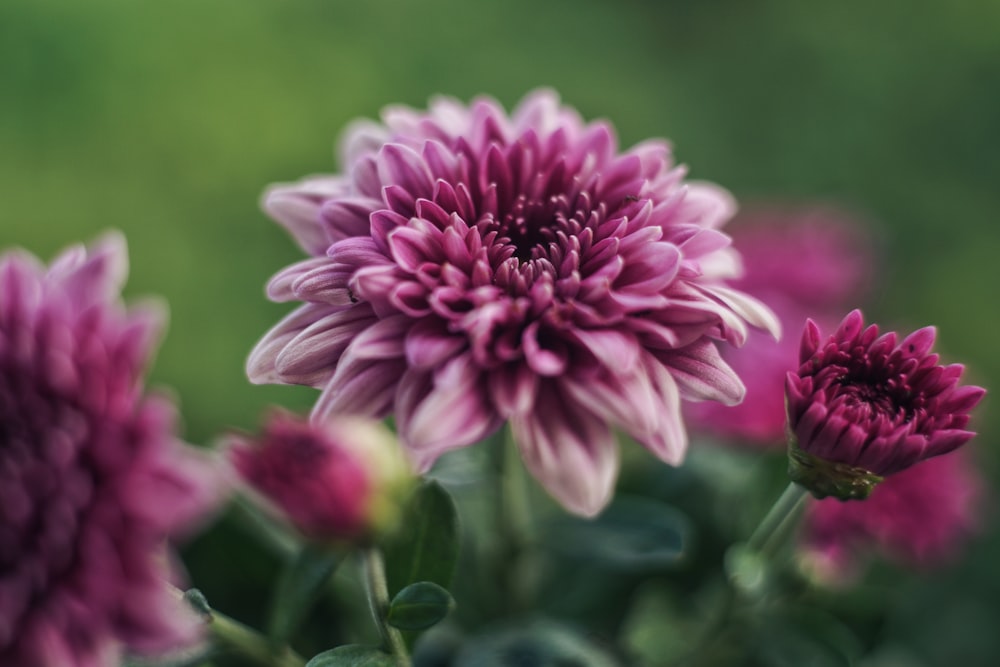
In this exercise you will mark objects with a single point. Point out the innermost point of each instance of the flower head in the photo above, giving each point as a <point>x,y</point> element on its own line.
<point>333,480</point>
<point>92,478</point>
<point>920,517</point>
<point>802,262</point>
<point>471,268</point>
<point>862,406</point>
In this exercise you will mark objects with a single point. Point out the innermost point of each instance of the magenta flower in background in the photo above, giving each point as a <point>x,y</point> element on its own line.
<point>333,479</point>
<point>862,406</point>
<point>920,517</point>
<point>471,268</point>
<point>92,478</point>
<point>803,263</point>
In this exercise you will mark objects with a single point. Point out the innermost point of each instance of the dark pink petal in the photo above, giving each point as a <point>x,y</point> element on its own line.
<point>514,387</point>
<point>616,351</point>
<point>362,387</point>
<point>919,343</point>
<point>810,342</point>
<point>572,453</point>
<point>544,361</point>
<point>401,165</point>
<point>345,217</point>
<point>454,413</point>
<point>429,345</point>
<point>702,375</point>
<point>261,362</point>
<point>296,207</point>
<point>279,288</point>
<point>313,353</point>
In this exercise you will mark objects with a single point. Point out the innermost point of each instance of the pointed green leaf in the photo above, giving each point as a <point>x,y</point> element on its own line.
<point>298,589</point>
<point>426,546</point>
<point>353,655</point>
<point>419,606</point>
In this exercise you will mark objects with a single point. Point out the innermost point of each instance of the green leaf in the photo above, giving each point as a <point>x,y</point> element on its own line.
<point>426,546</point>
<point>298,589</point>
<point>631,534</point>
<point>419,606</point>
<point>353,655</point>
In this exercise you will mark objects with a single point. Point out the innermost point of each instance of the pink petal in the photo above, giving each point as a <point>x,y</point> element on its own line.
<point>454,413</point>
<point>571,452</point>
<point>702,375</point>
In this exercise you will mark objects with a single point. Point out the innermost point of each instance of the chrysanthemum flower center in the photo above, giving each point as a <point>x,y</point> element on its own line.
<point>874,397</point>
<point>531,224</point>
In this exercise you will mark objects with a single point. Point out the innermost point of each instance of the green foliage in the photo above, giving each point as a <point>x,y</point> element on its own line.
<point>353,655</point>
<point>419,606</point>
<point>426,546</point>
<point>299,587</point>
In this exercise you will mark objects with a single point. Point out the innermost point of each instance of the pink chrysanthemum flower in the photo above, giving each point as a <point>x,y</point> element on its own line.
<point>335,479</point>
<point>472,267</point>
<point>92,478</point>
<point>920,517</point>
<point>862,406</point>
<point>803,263</point>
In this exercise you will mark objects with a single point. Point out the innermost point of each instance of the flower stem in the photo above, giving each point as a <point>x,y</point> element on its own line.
<point>767,538</point>
<point>241,638</point>
<point>378,600</point>
<point>513,525</point>
<point>746,569</point>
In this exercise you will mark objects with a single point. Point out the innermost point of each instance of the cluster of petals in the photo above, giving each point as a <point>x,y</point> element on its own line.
<point>332,479</point>
<point>921,517</point>
<point>92,478</point>
<point>471,268</point>
<point>874,402</point>
<point>803,262</point>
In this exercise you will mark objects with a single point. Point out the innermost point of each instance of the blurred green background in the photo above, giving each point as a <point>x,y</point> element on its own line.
<point>166,120</point>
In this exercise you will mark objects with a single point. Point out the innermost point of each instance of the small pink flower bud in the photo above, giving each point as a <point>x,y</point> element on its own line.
<point>862,406</point>
<point>336,479</point>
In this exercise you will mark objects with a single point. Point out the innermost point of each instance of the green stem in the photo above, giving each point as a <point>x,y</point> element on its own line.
<point>745,566</point>
<point>242,638</point>
<point>514,525</point>
<point>768,536</point>
<point>378,600</point>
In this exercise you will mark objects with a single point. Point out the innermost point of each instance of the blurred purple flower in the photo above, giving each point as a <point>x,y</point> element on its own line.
<point>472,268</point>
<point>92,478</point>
<point>802,262</point>
<point>920,517</point>
<point>332,479</point>
<point>869,406</point>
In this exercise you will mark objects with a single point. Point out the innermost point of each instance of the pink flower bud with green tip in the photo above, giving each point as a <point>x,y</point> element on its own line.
<point>862,406</point>
<point>335,479</point>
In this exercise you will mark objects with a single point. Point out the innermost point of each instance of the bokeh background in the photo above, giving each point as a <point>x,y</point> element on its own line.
<point>166,120</point>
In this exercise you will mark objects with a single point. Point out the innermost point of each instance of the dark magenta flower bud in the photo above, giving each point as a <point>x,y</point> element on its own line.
<point>862,406</point>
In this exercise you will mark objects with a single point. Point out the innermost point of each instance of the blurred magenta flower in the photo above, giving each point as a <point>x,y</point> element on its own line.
<point>92,478</point>
<point>920,517</point>
<point>472,267</point>
<point>802,262</point>
<point>862,406</point>
<point>334,479</point>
